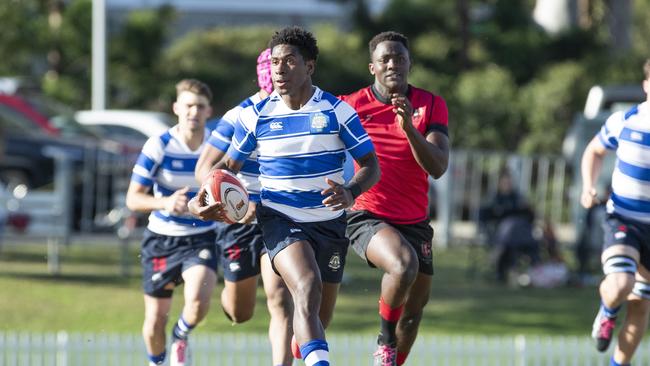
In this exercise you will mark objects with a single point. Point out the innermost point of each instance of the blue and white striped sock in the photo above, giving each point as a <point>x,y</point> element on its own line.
<point>315,353</point>
<point>181,329</point>
<point>158,360</point>
<point>610,313</point>
<point>614,363</point>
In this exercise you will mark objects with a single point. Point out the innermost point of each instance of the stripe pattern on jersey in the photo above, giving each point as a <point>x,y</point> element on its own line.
<point>221,138</point>
<point>298,149</point>
<point>629,134</point>
<point>167,164</point>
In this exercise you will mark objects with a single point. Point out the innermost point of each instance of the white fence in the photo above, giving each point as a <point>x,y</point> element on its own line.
<point>86,349</point>
<point>472,179</point>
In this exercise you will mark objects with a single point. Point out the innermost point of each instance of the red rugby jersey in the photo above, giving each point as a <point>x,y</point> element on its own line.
<point>401,195</point>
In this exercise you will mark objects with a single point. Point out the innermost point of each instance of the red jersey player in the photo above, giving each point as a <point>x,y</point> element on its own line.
<point>388,225</point>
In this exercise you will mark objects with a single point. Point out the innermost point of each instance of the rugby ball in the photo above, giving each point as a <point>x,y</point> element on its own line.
<point>223,186</point>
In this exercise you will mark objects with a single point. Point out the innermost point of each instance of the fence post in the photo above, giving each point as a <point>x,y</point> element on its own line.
<point>62,210</point>
<point>444,205</point>
<point>520,347</point>
<point>62,348</point>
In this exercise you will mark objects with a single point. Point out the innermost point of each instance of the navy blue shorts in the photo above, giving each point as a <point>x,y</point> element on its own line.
<point>241,247</point>
<point>164,258</point>
<point>362,226</point>
<point>620,230</point>
<point>327,239</point>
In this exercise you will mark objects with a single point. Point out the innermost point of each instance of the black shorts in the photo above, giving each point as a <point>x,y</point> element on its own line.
<point>164,258</point>
<point>362,226</point>
<point>327,239</point>
<point>240,247</point>
<point>620,230</point>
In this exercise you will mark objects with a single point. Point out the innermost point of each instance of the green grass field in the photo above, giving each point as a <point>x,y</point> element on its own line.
<point>90,295</point>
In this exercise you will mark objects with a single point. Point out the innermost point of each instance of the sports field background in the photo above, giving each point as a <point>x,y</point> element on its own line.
<point>90,295</point>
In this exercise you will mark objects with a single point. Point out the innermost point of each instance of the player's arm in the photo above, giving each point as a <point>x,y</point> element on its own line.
<point>217,145</point>
<point>343,196</point>
<point>590,167</point>
<point>367,176</point>
<point>430,152</point>
<point>199,207</point>
<point>208,159</point>
<point>138,199</point>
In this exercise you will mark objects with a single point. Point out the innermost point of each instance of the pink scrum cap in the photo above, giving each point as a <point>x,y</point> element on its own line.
<point>264,71</point>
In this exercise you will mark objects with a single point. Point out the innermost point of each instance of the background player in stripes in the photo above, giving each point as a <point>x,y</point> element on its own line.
<point>626,248</point>
<point>176,247</point>
<point>243,256</point>
<point>387,227</point>
<point>301,134</point>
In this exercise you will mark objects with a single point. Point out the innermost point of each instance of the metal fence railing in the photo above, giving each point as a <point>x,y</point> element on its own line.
<point>472,178</point>
<point>83,349</point>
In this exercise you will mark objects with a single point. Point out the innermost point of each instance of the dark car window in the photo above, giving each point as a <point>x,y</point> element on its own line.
<point>12,121</point>
<point>114,131</point>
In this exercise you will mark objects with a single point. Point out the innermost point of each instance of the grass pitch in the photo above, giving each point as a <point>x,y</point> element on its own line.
<point>91,295</point>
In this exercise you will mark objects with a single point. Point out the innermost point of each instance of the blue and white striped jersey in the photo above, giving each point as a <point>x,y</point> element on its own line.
<point>167,164</point>
<point>629,134</point>
<point>221,138</point>
<point>298,149</point>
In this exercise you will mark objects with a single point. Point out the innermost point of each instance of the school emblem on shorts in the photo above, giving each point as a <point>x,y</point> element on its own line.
<point>319,123</point>
<point>335,262</point>
<point>234,266</point>
<point>205,254</point>
<point>426,249</point>
<point>156,277</point>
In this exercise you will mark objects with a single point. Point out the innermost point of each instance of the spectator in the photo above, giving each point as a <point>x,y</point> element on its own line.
<point>508,220</point>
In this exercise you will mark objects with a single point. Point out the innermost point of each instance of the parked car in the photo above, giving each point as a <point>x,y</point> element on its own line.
<point>29,160</point>
<point>18,109</point>
<point>126,124</point>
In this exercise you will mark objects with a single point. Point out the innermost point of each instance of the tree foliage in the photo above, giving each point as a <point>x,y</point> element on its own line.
<point>508,84</point>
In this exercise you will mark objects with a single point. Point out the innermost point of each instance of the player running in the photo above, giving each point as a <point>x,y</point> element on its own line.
<point>301,134</point>
<point>176,247</point>
<point>243,256</point>
<point>626,255</point>
<point>387,227</point>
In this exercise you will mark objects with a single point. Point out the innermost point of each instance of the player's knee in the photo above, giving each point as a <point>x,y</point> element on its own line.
<point>307,294</point>
<point>620,284</point>
<point>410,322</point>
<point>279,303</point>
<point>153,324</point>
<point>240,314</point>
<point>196,310</point>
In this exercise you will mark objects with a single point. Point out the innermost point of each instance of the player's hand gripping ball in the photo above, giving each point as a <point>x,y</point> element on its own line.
<point>223,186</point>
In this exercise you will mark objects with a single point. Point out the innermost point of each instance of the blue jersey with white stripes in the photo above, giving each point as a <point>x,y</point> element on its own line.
<point>298,149</point>
<point>629,134</point>
<point>167,164</point>
<point>221,138</point>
